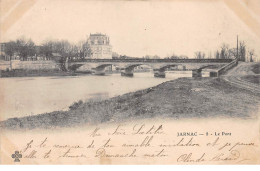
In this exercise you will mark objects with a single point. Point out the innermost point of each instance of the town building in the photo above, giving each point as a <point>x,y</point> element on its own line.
<point>2,51</point>
<point>100,46</point>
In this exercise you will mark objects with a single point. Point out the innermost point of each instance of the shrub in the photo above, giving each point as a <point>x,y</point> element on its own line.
<point>76,105</point>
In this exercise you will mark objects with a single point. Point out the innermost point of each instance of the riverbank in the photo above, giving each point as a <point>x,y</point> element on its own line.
<point>46,73</point>
<point>177,99</point>
<point>39,73</point>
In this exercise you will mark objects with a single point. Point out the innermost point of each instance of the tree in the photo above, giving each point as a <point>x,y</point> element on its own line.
<point>30,47</point>
<point>173,56</point>
<point>217,55</point>
<point>87,50</point>
<point>25,48</point>
<point>224,52</point>
<point>10,48</point>
<point>115,55</point>
<point>251,53</point>
<point>209,55</point>
<point>183,57</point>
<point>80,48</point>
<point>147,57</point>
<point>155,57</point>
<point>75,50</point>
<point>46,49</point>
<point>242,51</point>
<point>62,47</point>
<point>199,55</point>
<point>232,53</point>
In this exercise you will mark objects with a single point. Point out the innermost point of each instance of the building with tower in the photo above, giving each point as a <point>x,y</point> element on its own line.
<point>100,47</point>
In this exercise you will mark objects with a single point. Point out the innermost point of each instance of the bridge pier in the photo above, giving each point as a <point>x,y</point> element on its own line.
<point>158,73</point>
<point>196,73</point>
<point>98,71</point>
<point>127,72</point>
<point>184,68</point>
<point>213,74</point>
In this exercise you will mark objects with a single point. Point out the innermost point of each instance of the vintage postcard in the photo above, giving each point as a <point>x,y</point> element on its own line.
<point>97,82</point>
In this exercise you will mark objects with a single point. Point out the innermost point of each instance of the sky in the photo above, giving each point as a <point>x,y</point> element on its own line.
<point>137,28</point>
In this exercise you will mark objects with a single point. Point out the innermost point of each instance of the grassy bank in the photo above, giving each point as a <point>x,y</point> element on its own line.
<point>256,68</point>
<point>252,79</point>
<point>37,73</point>
<point>181,98</point>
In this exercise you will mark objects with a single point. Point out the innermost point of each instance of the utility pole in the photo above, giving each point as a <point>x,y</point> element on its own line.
<point>237,46</point>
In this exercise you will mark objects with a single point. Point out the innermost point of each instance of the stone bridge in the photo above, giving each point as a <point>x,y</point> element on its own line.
<point>159,66</point>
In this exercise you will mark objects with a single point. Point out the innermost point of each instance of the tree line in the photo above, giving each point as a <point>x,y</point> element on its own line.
<point>26,49</point>
<point>225,52</point>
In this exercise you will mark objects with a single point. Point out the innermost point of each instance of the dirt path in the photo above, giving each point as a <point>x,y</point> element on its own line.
<point>235,77</point>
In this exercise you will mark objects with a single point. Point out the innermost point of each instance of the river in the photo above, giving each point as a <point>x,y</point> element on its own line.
<point>24,96</point>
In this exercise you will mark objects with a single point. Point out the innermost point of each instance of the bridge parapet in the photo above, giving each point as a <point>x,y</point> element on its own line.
<point>152,60</point>
<point>218,72</point>
<point>227,67</point>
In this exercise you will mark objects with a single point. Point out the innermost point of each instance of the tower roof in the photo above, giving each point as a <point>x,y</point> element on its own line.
<point>97,34</point>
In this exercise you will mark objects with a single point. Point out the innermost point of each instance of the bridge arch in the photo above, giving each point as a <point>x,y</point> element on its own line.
<point>198,72</point>
<point>160,71</point>
<point>128,70</point>
<point>207,66</point>
<point>100,69</point>
<point>166,66</point>
<point>133,66</point>
<point>74,67</point>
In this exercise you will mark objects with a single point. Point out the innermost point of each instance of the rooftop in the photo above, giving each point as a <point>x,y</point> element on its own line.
<point>97,34</point>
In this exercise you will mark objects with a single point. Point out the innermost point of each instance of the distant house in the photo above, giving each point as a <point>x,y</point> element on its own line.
<point>2,51</point>
<point>100,46</point>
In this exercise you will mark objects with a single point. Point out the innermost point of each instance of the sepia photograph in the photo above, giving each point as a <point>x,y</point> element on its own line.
<point>129,82</point>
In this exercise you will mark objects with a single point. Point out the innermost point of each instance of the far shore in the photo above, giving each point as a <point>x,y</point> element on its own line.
<point>39,73</point>
<point>47,73</point>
